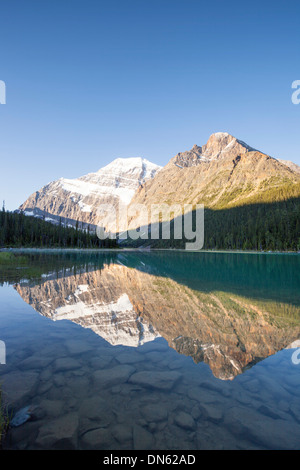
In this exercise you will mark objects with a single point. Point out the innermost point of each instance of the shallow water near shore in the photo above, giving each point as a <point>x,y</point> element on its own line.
<point>154,350</point>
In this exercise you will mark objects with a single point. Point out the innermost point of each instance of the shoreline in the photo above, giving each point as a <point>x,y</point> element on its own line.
<point>142,250</point>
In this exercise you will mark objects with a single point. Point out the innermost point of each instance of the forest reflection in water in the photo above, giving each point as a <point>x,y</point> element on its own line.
<point>227,310</point>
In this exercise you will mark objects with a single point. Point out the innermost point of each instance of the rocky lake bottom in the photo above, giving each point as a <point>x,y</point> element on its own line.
<point>83,394</point>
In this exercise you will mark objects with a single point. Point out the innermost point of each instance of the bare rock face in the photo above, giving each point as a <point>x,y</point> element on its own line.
<point>189,158</point>
<point>225,172</point>
<point>218,145</point>
<point>80,199</point>
<point>291,165</point>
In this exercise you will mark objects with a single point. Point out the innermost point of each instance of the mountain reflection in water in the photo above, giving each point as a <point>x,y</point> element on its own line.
<point>227,310</point>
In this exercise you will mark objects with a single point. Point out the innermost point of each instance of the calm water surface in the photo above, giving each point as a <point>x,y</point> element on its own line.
<point>159,350</point>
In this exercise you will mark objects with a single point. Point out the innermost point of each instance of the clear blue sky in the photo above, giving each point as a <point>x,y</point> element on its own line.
<point>90,80</point>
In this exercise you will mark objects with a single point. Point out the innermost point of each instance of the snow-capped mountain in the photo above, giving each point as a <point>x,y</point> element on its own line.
<point>124,306</point>
<point>92,301</point>
<point>80,198</point>
<point>223,173</point>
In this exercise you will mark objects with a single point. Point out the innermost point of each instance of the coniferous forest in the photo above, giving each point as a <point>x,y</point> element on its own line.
<point>259,227</point>
<point>268,226</point>
<point>18,230</point>
<point>274,226</point>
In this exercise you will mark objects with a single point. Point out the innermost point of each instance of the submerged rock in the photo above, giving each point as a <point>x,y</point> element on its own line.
<point>185,421</point>
<point>114,376</point>
<point>19,386</point>
<point>64,364</point>
<point>21,417</point>
<point>159,380</point>
<point>142,439</point>
<point>59,433</point>
<point>153,412</point>
<point>97,439</point>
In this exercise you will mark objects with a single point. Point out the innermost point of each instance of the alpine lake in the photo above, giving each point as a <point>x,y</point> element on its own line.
<point>151,350</point>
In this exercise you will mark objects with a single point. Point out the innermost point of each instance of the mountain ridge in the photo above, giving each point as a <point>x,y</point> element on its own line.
<point>230,332</point>
<point>78,199</point>
<point>224,173</point>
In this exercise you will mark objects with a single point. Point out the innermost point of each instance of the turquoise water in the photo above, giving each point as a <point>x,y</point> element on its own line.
<point>159,350</point>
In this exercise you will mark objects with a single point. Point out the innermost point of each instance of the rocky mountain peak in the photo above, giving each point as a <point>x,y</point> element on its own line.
<point>80,198</point>
<point>218,145</point>
<point>225,171</point>
<point>123,173</point>
<point>188,158</point>
<point>222,143</point>
<point>129,164</point>
<point>219,140</point>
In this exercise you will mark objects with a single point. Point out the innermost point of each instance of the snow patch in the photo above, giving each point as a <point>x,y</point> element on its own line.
<point>84,207</point>
<point>85,188</point>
